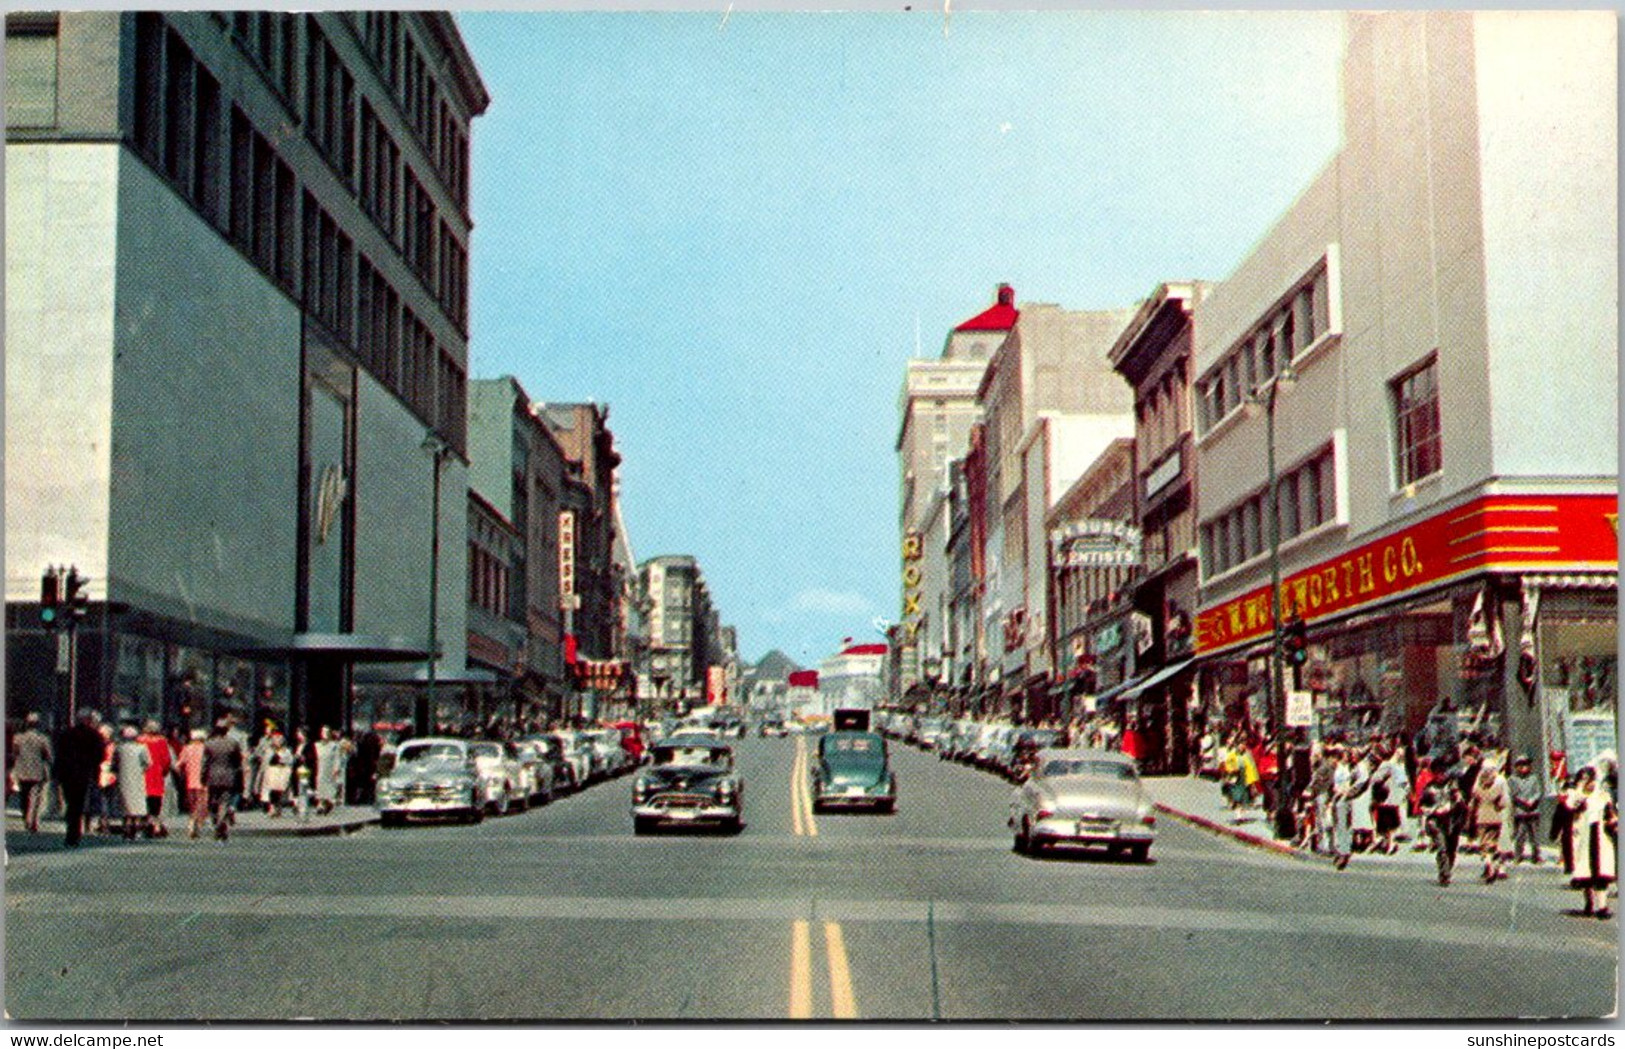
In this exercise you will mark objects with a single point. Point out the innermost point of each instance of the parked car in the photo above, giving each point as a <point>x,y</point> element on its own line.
<point>428,778</point>
<point>690,780</point>
<point>578,752</point>
<point>931,732</point>
<point>852,770</point>
<point>504,776</point>
<point>609,755</point>
<point>1025,746</point>
<point>562,778</point>
<point>772,725</point>
<point>1084,797</point>
<point>539,769</point>
<point>632,740</point>
<point>991,747</point>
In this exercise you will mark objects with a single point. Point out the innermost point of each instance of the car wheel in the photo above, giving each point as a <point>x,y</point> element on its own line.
<point>476,814</point>
<point>889,807</point>
<point>1024,839</point>
<point>1140,853</point>
<point>390,819</point>
<point>641,825</point>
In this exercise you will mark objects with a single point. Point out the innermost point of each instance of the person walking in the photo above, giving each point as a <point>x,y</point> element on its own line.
<point>157,777</point>
<point>104,798</point>
<point>1524,786</point>
<point>275,773</point>
<point>222,772</point>
<point>78,763</point>
<point>1442,807</point>
<point>1426,776</point>
<point>1342,806</point>
<point>31,767</point>
<point>1390,788</point>
<point>131,760</point>
<point>189,774</point>
<point>1593,841</point>
<point>1491,804</point>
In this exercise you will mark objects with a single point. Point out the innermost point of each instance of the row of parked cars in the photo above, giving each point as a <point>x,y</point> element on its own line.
<point>446,776</point>
<point>999,747</point>
<point>1064,797</point>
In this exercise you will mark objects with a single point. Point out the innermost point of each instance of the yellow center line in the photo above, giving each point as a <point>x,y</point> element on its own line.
<point>842,1004</point>
<point>806,797</point>
<point>800,971</point>
<point>795,794</point>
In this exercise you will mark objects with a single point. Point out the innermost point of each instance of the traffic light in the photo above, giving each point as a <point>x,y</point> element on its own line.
<point>1296,642</point>
<point>50,597</point>
<point>75,598</point>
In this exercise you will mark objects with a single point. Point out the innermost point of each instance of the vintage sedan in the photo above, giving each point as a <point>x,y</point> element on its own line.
<point>578,753</point>
<point>689,781</point>
<point>506,786</point>
<point>540,771</point>
<point>429,778</point>
<point>852,771</point>
<point>1084,797</point>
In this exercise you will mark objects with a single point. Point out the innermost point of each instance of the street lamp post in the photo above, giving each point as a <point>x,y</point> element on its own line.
<point>1284,823</point>
<point>439,452</point>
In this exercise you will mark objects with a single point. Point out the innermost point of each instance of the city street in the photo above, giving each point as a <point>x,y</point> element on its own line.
<point>562,913</point>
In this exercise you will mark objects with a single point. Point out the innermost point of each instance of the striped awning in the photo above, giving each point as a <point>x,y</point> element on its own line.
<point>1573,581</point>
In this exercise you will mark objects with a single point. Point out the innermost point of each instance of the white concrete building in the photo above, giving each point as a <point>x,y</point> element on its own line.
<point>1446,294</point>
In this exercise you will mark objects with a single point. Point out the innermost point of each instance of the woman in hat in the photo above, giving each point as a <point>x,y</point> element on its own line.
<point>189,771</point>
<point>131,759</point>
<point>1491,808</point>
<point>1592,841</point>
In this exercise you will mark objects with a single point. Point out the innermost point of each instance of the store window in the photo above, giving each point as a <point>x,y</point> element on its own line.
<point>1580,682</point>
<point>138,680</point>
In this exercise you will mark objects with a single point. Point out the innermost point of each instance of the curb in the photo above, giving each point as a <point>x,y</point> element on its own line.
<point>1246,837</point>
<point>14,826</point>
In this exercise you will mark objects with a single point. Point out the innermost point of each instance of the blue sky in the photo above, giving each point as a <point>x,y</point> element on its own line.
<point>730,233</point>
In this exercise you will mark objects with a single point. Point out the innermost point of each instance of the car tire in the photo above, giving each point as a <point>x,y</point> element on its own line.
<point>1024,839</point>
<point>476,814</point>
<point>391,819</point>
<point>1140,853</point>
<point>734,826</point>
<point>889,807</point>
<point>641,826</point>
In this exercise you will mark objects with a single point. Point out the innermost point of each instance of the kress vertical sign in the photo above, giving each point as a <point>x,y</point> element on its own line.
<point>913,550</point>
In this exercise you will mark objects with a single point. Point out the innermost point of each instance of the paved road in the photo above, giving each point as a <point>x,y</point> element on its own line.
<point>563,913</point>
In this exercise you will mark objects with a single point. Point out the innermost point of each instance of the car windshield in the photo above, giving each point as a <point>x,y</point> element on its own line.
<point>852,745</point>
<point>429,752</point>
<point>720,757</point>
<point>1043,738</point>
<point>1089,767</point>
<point>486,750</point>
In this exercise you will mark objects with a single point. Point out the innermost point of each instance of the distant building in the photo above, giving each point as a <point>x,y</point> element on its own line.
<point>853,678</point>
<point>236,356</point>
<point>1051,404</point>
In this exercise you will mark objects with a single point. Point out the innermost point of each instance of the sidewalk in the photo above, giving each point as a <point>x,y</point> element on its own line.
<point>255,824</point>
<point>1197,801</point>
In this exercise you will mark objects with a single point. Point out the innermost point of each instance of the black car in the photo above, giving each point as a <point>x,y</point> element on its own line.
<point>690,781</point>
<point>852,771</point>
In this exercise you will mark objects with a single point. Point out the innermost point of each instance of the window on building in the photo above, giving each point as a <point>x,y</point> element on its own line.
<point>329,102</point>
<point>31,70</point>
<point>1280,336</point>
<point>1416,423</point>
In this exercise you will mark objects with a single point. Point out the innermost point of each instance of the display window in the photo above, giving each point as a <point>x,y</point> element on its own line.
<point>138,680</point>
<point>1579,679</point>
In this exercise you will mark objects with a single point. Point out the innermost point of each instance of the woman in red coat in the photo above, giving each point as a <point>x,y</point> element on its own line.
<point>157,777</point>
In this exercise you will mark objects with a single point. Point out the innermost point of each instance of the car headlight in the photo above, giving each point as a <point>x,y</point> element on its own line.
<point>640,790</point>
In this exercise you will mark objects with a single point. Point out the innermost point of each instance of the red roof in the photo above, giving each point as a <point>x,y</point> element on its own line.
<point>864,650</point>
<point>1001,316</point>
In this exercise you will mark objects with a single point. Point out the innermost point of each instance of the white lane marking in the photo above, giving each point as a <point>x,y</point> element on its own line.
<point>638,908</point>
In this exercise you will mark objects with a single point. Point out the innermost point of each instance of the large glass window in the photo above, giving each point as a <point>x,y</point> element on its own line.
<point>138,679</point>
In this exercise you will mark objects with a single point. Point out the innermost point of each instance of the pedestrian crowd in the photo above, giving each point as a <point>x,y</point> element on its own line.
<point>114,780</point>
<point>1468,798</point>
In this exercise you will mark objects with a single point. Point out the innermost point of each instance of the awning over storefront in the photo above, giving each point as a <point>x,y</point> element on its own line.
<point>355,648</point>
<point>408,675</point>
<point>1116,690</point>
<point>1574,581</point>
<point>1155,679</point>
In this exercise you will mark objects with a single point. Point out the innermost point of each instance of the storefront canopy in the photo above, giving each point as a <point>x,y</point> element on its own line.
<point>407,675</point>
<point>1116,690</point>
<point>354,648</point>
<point>1156,678</point>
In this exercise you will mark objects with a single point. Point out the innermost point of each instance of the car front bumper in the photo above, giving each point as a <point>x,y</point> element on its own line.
<point>1093,832</point>
<point>711,812</point>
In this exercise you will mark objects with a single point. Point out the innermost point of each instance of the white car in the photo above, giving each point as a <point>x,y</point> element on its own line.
<point>578,752</point>
<point>504,776</point>
<point>1084,797</point>
<point>430,777</point>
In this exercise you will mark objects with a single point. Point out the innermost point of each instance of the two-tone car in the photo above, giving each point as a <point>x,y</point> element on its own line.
<point>690,781</point>
<point>428,778</point>
<point>853,770</point>
<point>1084,797</point>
